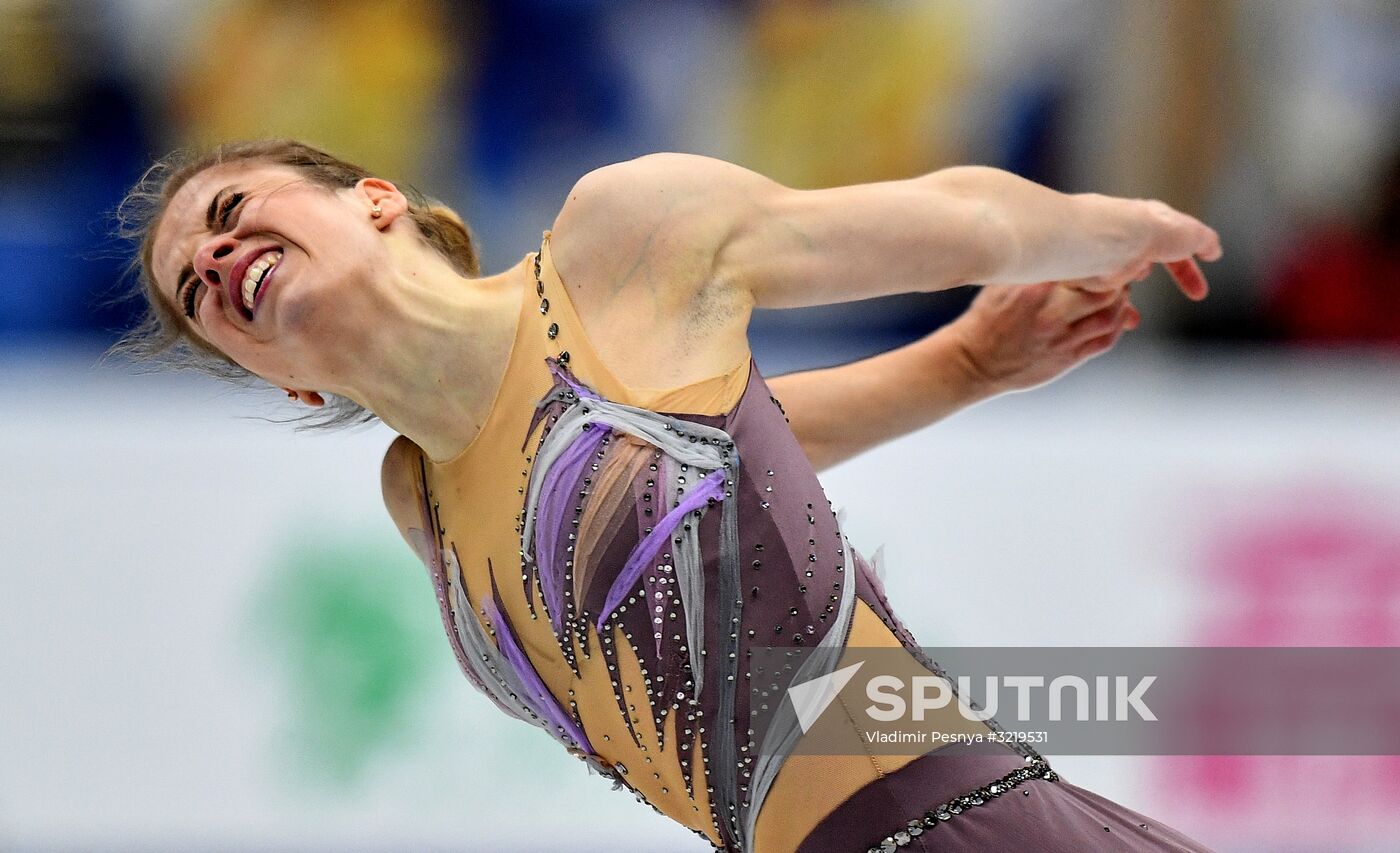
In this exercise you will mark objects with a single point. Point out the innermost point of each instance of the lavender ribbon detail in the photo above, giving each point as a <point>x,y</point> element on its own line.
<point>712,486</point>
<point>546,706</point>
<point>555,497</point>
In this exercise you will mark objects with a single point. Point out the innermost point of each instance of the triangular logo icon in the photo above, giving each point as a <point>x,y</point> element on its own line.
<point>810,698</point>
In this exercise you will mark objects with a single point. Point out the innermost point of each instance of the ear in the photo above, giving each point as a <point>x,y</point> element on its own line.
<point>377,191</point>
<point>309,398</point>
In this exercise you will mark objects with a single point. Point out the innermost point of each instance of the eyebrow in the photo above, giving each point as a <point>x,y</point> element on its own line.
<point>213,209</point>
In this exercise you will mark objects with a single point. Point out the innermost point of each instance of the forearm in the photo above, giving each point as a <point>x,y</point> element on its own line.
<point>839,412</point>
<point>1047,235</point>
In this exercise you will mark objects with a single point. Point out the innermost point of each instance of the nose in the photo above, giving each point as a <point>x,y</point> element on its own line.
<point>213,261</point>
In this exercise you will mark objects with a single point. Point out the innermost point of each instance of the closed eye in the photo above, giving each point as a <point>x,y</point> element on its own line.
<point>226,208</point>
<point>191,285</point>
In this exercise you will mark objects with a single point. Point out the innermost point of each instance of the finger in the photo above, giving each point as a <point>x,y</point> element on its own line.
<point>1132,318</point>
<point>1041,293</point>
<point>1213,251</point>
<point>1204,240</point>
<point>1189,278</point>
<point>1127,275</point>
<point>1027,300</point>
<point>1099,283</point>
<point>1100,322</point>
<point>1179,235</point>
<point>1086,302</point>
<point>1096,346</point>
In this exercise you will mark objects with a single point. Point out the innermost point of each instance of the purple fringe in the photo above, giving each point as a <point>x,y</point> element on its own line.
<point>555,497</point>
<point>712,486</point>
<point>545,705</point>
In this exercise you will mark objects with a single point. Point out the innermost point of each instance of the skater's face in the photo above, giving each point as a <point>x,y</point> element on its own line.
<point>271,269</point>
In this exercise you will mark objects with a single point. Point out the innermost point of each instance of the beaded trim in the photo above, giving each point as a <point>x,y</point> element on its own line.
<point>1036,769</point>
<point>553,331</point>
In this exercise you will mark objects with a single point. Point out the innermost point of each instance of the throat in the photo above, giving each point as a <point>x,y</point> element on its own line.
<point>451,379</point>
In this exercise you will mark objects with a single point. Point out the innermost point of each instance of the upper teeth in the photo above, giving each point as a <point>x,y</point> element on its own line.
<point>257,271</point>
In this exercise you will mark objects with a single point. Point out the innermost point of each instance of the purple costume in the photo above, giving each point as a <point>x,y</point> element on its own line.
<point>709,535</point>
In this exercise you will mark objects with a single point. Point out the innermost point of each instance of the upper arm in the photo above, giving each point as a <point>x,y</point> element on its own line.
<point>636,245</point>
<point>400,477</point>
<point>656,224</point>
<point>783,247</point>
<point>838,244</point>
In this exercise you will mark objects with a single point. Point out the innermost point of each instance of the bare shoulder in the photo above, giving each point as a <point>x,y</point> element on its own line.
<point>399,479</point>
<point>667,212</point>
<point>672,183</point>
<point>639,244</point>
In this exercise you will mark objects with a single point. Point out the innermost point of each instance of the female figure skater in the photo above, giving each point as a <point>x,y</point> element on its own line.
<point>613,505</point>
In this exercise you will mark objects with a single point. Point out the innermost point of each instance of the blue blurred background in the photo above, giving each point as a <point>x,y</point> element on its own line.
<point>1228,474</point>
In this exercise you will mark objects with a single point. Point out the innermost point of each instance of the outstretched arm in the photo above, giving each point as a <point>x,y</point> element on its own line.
<point>955,226</point>
<point>1009,339</point>
<point>1054,265</point>
<point>788,248</point>
<point>839,412</point>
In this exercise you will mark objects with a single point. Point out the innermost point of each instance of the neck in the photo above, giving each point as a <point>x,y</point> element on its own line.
<point>440,354</point>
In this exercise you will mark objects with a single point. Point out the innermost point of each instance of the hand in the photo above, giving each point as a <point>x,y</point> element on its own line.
<point>1015,337</point>
<point>1159,234</point>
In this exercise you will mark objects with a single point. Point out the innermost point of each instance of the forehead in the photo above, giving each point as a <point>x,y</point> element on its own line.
<point>182,224</point>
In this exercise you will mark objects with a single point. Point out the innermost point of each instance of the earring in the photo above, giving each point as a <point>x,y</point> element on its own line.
<point>375,212</point>
<point>291,395</point>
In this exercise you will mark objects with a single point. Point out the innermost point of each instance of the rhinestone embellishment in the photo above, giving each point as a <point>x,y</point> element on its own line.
<point>553,331</point>
<point>1038,768</point>
<point>713,754</point>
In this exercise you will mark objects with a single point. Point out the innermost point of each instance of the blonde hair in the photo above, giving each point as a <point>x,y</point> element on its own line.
<point>162,338</point>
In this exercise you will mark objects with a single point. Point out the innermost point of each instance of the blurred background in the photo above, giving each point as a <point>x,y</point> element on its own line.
<point>1229,474</point>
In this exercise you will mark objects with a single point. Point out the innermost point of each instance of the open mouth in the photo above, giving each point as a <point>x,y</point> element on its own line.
<point>256,278</point>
